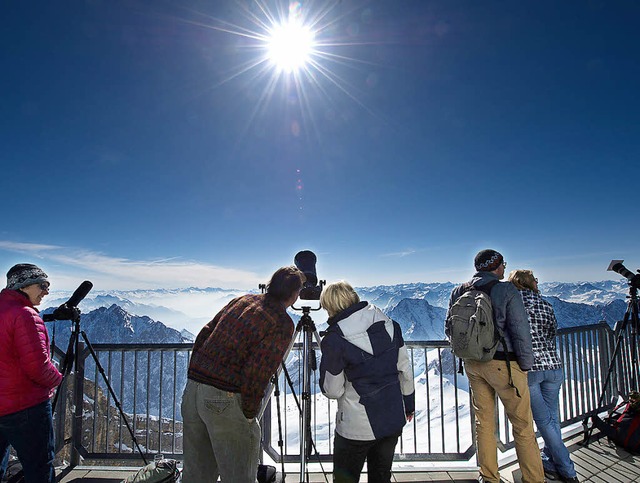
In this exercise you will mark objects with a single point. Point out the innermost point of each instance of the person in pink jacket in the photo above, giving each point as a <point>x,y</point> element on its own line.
<point>28,378</point>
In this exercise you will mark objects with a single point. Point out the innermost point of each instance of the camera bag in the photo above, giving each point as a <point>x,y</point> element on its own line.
<point>622,425</point>
<point>161,471</point>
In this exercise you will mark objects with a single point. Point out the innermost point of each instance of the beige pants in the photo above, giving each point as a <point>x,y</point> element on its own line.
<point>486,380</point>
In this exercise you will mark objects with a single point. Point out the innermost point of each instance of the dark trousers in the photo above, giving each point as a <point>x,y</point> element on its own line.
<point>349,456</point>
<point>30,432</point>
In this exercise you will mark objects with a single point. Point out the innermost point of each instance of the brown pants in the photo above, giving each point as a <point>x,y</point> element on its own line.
<point>486,380</point>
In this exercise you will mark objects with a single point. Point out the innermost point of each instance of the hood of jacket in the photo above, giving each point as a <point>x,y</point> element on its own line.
<point>355,325</point>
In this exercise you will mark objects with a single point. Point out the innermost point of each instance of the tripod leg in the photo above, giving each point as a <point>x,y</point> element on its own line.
<point>280,440</point>
<point>113,395</point>
<point>307,327</point>
<point>635,325</point>
<point>306,402</point>
<point>67,364</point>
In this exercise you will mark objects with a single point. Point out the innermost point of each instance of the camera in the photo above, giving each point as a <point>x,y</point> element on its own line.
<point>618,267</point>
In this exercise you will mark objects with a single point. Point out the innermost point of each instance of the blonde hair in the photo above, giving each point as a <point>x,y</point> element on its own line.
<point>523,280</point>
<point>338,296</point>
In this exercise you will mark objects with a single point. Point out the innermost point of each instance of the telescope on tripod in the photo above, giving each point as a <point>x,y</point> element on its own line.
<point>311,290</point>
<point>630,319</point>
<point>70,311</point>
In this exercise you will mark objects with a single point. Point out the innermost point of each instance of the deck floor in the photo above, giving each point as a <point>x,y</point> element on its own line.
<point>600,462</point>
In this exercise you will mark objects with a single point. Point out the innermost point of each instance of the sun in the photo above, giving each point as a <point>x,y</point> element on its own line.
<point>295,51</point>
<point>290,46</point>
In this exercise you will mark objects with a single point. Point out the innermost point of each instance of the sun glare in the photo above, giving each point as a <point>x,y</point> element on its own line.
<point>290,46</point>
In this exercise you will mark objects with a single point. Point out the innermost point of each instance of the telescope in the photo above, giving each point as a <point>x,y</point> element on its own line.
<point>69,310</point>
<point>618,267</point>
<point>631,318</point>
<point>305,261</point>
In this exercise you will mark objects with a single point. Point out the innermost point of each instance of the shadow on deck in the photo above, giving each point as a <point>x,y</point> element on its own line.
<point>600,462</point>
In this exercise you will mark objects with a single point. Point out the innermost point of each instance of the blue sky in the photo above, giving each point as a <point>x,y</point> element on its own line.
<point>150,144</point>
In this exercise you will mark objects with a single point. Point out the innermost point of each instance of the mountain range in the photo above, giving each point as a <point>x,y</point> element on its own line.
<point>120,318</point>
<point>174,316</point>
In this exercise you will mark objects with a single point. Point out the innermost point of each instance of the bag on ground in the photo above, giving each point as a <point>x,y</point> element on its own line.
<point>622,425</point>
<point>161,471</point>
<point>266,474</point>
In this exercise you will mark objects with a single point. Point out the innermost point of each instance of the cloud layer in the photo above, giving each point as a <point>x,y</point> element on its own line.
<point>67,266</point>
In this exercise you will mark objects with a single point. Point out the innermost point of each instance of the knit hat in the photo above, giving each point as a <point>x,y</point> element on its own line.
<point>23,275</point>
<point>487,260</point>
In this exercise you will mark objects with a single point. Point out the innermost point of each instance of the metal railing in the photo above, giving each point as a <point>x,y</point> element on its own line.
<point>148,381</point>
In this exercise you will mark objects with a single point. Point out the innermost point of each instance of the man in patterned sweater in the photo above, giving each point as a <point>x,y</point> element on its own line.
<point>233,359</point>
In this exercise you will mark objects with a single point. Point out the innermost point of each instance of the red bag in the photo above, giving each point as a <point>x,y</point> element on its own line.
<point>622,426</point>
<point>628,425</point>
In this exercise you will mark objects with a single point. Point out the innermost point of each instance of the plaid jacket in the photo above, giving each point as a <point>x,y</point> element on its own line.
<point>543,331</point>
<point>242,347</point>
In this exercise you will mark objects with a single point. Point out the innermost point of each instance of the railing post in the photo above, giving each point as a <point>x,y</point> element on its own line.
<point>607,339</point>
<point>78,400</point>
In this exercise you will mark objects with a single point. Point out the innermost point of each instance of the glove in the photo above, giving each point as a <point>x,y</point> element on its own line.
<point>66,313</point>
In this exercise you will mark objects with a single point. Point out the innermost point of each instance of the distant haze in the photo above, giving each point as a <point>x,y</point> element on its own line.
<point>191,308</point>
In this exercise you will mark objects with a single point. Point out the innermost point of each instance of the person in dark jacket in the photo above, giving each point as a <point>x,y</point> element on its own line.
<point>27,375</point>
<point>545,378</point>
<point>233,358</point>
<point>488,379</point>
<point>366,367</point>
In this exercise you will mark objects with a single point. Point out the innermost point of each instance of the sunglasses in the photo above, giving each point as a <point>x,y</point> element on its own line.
<point>44,286</point>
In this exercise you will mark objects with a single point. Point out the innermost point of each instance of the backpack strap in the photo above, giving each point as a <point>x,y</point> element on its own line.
<point>511,383</point>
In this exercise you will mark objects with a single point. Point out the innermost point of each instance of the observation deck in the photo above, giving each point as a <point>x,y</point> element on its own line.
<point>147,380</point>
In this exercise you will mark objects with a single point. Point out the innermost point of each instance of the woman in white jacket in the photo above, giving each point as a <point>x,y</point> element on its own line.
<point>366,367</point>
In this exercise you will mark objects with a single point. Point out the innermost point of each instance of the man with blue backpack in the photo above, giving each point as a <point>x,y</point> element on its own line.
<point>489,330</point>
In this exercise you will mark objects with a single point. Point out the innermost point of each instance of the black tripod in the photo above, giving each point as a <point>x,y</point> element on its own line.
<point>630,316</point>
<point>307,328</point>
<point>70,361</point>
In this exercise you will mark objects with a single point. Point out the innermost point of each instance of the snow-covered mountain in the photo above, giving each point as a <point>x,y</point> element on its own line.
<point>418,307</point>
<point>422,321</point>
<point>593,293</point>
<point>114,325</point>
<point>419,319</point>
<point>388,296</point>
<point>188,308</point>
<point>150,391</point>
<point>570,314</point>
<point>599,293</point>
